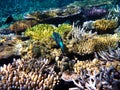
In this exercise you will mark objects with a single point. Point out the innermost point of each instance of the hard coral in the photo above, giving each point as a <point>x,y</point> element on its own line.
<point>19,26</point>
<point>31,74</point>
<point>97,43</point>
<point>44,31</point>
<point>105,26</point>
<point>40,32</point>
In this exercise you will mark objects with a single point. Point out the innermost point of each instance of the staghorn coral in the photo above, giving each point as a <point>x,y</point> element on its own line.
<point>105,79</point>
<point>44,31</point>
<point>109,55</point>
<point>105,26</point>
<point>78,34</point>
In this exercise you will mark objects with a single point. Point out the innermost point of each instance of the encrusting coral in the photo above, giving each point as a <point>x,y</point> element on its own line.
<point>20,26</point>
<point>105,26</point>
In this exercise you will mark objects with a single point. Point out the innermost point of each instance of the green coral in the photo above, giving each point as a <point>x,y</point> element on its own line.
<point>63,28</point>
<point>40,32</point>
<point>44,31</point>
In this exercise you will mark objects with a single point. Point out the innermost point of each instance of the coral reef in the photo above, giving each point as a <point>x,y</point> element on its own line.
<point>78,34</point>
<point>9,47</point>
<point>40,32</point>
<point>86,3</point>
<point>94,65</point>
<point>54,55</point>
<point>105,26</point>
<point>94,13</point>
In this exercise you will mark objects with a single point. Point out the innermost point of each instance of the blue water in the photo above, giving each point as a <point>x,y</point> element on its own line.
<point>17,8</point>
<point>21,6</point>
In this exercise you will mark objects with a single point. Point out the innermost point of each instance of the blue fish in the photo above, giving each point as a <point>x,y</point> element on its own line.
<point>58,39</point>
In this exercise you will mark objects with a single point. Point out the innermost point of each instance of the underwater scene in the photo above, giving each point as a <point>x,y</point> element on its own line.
<point>59,45</point>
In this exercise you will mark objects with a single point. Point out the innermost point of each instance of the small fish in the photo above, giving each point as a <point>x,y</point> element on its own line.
<point>56,36</point>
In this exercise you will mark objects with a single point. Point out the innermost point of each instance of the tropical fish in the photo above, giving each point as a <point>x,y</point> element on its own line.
<point>58,39</point>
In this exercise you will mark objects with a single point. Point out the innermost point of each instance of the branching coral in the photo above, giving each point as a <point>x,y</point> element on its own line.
<point>103,80</point>
<point>79,34</point>
<point>97,43</point>
<point>105,26</point>
<point>94,65</point>
<point>28,74</point>
<point>110,55</point>
<point>44,31</point>
<point>40,32</point>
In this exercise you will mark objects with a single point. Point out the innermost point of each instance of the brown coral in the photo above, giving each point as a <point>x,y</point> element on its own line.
<point>94,65</point>
<point>105,26</point>
<point>97,43</point>
<point>22,25</point>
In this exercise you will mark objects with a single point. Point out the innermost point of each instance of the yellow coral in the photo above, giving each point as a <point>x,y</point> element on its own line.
<point>40,32</point>
<point>94,65</point>
<point>105,26</point>
<point>44,31</point>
